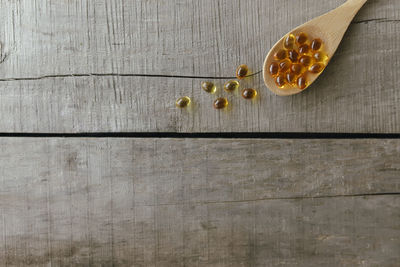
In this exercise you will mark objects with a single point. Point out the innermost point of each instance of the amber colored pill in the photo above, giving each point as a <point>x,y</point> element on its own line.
<point>284,65</point>
<point>304,49</point>
<point>221,103</point>
<point>302,82</point>
<point>209,87</point>
<point>249,93</point>
<point>274,69</point>
<point>291,77</point>
<point>242,71</point>
<point>289,41</point>
<point>293,55</point>
<point>305,61</point>
<point>316,44</point>
<point>231,86</point>
<point>301,38</point>
<point>183,102</point>
<point>296,69</point>
<point>280,80</point>
<point>320,57</point>
<point>316,68</point>
<point>281,54</point>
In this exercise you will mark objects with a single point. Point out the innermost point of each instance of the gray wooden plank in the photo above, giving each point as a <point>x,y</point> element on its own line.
<point>44,41</point>
<point>199,202</point>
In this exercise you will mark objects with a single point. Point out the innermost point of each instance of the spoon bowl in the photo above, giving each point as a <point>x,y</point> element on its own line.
<point>329,27</point>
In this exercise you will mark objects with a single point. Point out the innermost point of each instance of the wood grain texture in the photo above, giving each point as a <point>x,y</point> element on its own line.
<point>165,202</point>
<point>62,63</point>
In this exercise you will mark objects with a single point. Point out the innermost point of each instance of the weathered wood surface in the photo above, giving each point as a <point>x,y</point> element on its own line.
<point>163,202</point>
<point>97,41</point>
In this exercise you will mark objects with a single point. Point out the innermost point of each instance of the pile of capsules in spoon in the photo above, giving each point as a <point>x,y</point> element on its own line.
<point>242,72</point>
<point>298,58</point>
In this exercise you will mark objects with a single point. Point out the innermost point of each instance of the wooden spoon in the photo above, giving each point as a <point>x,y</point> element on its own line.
<point>330,27</point>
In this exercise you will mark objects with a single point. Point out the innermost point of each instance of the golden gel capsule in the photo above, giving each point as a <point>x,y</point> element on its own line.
<point>280,80</point>
<point>274,69</point>
<point>316,44</point>
<point>316,68</point>
<point>289,41</point>
<point>231,86</point>
<point>242,71</point>
<point>296,69</point>
<point>221,103</point>
<point>249,93</point>
<point>304,49</point>
<point>301,38</point>
<point>302,82</point>
<point>305,61</point>
<point>291,77</point>
<point>209,87</point>
<point>183,102</point>
<point>284,65</point>
<point>280,55</point>
<point>321,57</point>
<point>293,55</point>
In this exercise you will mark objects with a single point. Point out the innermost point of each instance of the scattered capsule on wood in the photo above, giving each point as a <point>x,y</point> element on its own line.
<point>183,102</point>
<point>231,86</point>
<point>249,93</point>
<point>242,72</point>
<point>221,103</point>
<point>209,87</point>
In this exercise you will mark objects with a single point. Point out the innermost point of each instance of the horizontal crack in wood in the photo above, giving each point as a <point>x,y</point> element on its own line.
<point>377,20</point>
<point>283,198</point>
<point>119,75</point>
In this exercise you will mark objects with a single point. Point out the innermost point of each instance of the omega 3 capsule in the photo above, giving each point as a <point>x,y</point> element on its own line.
<point>316,44</point>
<point>274,69</point>
<point>242,72</point>
<point>301,38</point>
<point>293,55</point>
<point>289,41</point>
<point>281,54</point>
<point>302,82</point>
<point>183,102</point>
<point>280,80</point>
<point>249,93</point>
<point>316,68</point>
<point>284,65</point>
<point>221,103</point>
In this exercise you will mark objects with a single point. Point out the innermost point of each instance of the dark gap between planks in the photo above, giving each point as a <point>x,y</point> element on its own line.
<point>209,135</point>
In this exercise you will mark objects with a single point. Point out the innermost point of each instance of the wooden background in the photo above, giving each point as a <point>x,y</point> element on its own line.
<point>74,67</point>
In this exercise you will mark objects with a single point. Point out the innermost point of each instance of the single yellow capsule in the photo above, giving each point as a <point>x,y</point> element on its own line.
<point>209,87</point>
<point>249,93</point>
<point>289,41</point>
<point>231,86</point>
<point>321,57</point>
<point>183,102</point>
<point>242,71</point>
<point>221,103</point>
